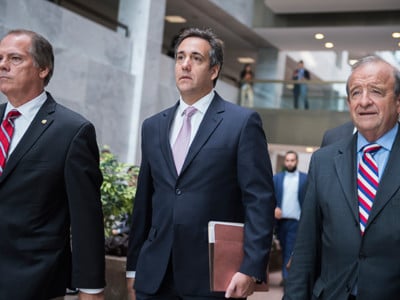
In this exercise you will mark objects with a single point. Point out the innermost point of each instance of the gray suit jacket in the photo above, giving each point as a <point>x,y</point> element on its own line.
<point>330,256</point>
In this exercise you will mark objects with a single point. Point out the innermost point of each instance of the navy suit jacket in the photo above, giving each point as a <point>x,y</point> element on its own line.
<point>278,184</point>
<point>226,176</point>
<point>51,183</point>
<point>331,256</point>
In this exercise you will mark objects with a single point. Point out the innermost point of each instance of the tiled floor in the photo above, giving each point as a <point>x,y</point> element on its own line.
<point>275,291</point>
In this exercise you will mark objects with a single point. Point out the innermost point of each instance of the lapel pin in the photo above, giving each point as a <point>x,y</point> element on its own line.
<point>44,122</point>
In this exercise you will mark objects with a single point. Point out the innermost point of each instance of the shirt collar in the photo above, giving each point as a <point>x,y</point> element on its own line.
<point>201,105</point>
<point>30,108</point>
<point>386,141</point>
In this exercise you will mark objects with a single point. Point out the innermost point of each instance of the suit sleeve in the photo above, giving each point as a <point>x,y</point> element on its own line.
<point>256,184</point>
<point>83,179</point>
<point>141,215</point>
<point>306,260</point>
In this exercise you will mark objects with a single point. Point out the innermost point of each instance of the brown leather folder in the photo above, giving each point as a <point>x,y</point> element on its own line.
<point>226,254</point>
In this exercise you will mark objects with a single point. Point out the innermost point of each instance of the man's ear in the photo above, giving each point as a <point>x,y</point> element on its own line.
<point>43,72</point>
<point>214,72</point>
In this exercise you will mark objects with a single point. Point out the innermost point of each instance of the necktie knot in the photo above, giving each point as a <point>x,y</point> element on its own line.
<point>371,148</point>
<point>13,114</point>
<point>190,111</point>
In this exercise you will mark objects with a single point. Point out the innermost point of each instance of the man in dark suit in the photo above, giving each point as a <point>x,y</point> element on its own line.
<point>290,188</point>
<point>300,90</point>
<point>226,176</point>
<point>50,182</point>
<point>336,134</point>
<point>345,249</point>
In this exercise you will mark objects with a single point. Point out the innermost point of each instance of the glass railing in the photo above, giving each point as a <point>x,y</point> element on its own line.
<point>279,94</point>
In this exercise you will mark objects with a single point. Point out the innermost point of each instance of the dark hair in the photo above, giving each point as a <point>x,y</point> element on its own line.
<point>376,59</point>
<point>216,53</point>
<point>41,51</point>
<point>292,152</point>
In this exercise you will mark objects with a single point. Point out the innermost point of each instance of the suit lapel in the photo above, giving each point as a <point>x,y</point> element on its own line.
<point>389,184</point>
<point>164,133</point>
<point>40,123</point>
<point>210,122</point>
<point>346,159</point>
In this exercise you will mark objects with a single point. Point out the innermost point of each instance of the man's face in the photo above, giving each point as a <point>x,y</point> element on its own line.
<point>290,162</point>
<point>193,75</point>
<point>372,103</point>
<point>20,79</point>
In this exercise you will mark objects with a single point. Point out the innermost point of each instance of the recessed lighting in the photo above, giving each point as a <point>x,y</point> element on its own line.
<point>246,60</point>
<point>396,35</point>
<point>309,149</point>
<point>175,19</point>
<point>329,45</point>
<point>319,36</point>
<point>352,61</point>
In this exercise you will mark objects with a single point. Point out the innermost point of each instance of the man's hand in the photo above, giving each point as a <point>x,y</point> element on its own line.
<point>278,213</point>
<point>131,291</point>
<point>84,296</point>
<point>241,286</point>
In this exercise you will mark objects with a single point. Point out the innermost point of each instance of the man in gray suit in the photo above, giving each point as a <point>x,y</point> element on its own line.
<point>344,250</point>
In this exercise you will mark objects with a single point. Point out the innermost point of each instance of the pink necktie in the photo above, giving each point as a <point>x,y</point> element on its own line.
<point>6,133</point>
<point>367,182</point>
<point>181,145</point>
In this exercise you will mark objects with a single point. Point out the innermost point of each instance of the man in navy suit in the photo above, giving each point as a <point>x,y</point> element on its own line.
<point>50,183</point>
<point>344,248</point>
<point>226,176</point>
<point>290,188</point>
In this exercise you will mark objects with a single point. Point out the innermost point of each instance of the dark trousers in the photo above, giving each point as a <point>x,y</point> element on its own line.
<point>287,230</point>
<point>168,291</point>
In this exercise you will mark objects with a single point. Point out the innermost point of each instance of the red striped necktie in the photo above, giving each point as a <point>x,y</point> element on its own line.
<point>6,133</point>
<point>367,183</point>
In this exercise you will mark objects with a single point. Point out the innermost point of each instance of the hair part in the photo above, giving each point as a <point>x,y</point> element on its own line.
<point>216,52</point>
<point>40,50</point>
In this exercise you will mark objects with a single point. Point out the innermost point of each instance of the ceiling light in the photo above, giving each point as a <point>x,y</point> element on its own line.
<point>352,61</point>
<point>319,36</point>
<point>246,60</point>
<point>396,35</point>
<point>309,149</point>
<point>175,19</point>
<point>329,45</point>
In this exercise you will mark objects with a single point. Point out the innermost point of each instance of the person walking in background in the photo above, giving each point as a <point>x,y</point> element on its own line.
<point>246,90</point>
<point>347,244</point>
<point>290,187</point>
<point>300,90</point>
<point>204,159</point>
<point>49,182</point>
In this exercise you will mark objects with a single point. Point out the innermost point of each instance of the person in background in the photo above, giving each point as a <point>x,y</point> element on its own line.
<point>203,159</point>
<point>347,245</point>
<point>300,90</point>
<point>49,182</point>
<point>290,187</point>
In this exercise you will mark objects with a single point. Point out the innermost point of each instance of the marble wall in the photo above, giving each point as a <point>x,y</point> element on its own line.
<point>92,66</point>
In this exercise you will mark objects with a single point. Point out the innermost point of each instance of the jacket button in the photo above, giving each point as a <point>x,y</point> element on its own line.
<point>178,191</point>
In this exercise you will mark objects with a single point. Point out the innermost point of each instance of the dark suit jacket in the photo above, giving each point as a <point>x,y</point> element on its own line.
<point>51,183</point>
<point>330,255</point>
<point>226,177</point>
<point>278,184</point>
<point>336,134</point>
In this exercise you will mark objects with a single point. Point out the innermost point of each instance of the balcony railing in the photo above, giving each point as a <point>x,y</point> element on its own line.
<point>279,94</point>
